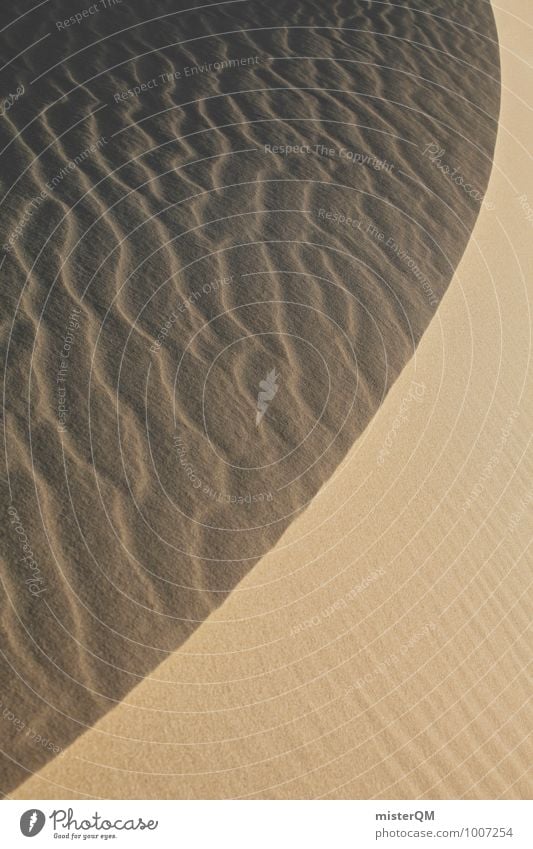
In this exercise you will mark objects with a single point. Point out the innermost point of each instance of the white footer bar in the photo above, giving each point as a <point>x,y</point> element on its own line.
<point>269,824</point>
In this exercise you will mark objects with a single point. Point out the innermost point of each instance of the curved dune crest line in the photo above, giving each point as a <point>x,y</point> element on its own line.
<point>225,232</point>
<point>382,648</point>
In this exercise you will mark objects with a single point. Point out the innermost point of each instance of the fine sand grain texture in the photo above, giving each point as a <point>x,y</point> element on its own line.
<point>226,231</point>
<point>381,648</point>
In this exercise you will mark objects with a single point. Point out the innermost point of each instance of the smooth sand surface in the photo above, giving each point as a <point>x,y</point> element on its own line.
<point>381,648</point>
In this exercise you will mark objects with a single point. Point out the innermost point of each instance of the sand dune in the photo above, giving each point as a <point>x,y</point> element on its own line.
<point>382,647</point>
<point>229,230</point>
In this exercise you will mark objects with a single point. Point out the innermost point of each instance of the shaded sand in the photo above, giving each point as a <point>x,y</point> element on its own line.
<point>381,647</point>
<point>185,274</point>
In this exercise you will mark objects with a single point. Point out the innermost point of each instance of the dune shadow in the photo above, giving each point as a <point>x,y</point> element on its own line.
<point>224,232</point>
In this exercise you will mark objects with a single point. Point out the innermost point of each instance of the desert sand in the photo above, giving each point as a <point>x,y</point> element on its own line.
<point>362,632</point>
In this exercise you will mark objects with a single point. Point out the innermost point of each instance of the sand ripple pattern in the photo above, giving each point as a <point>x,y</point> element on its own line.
<point>224,232</point>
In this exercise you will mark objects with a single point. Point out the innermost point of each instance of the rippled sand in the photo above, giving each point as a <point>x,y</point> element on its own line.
<point>225,232</point>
